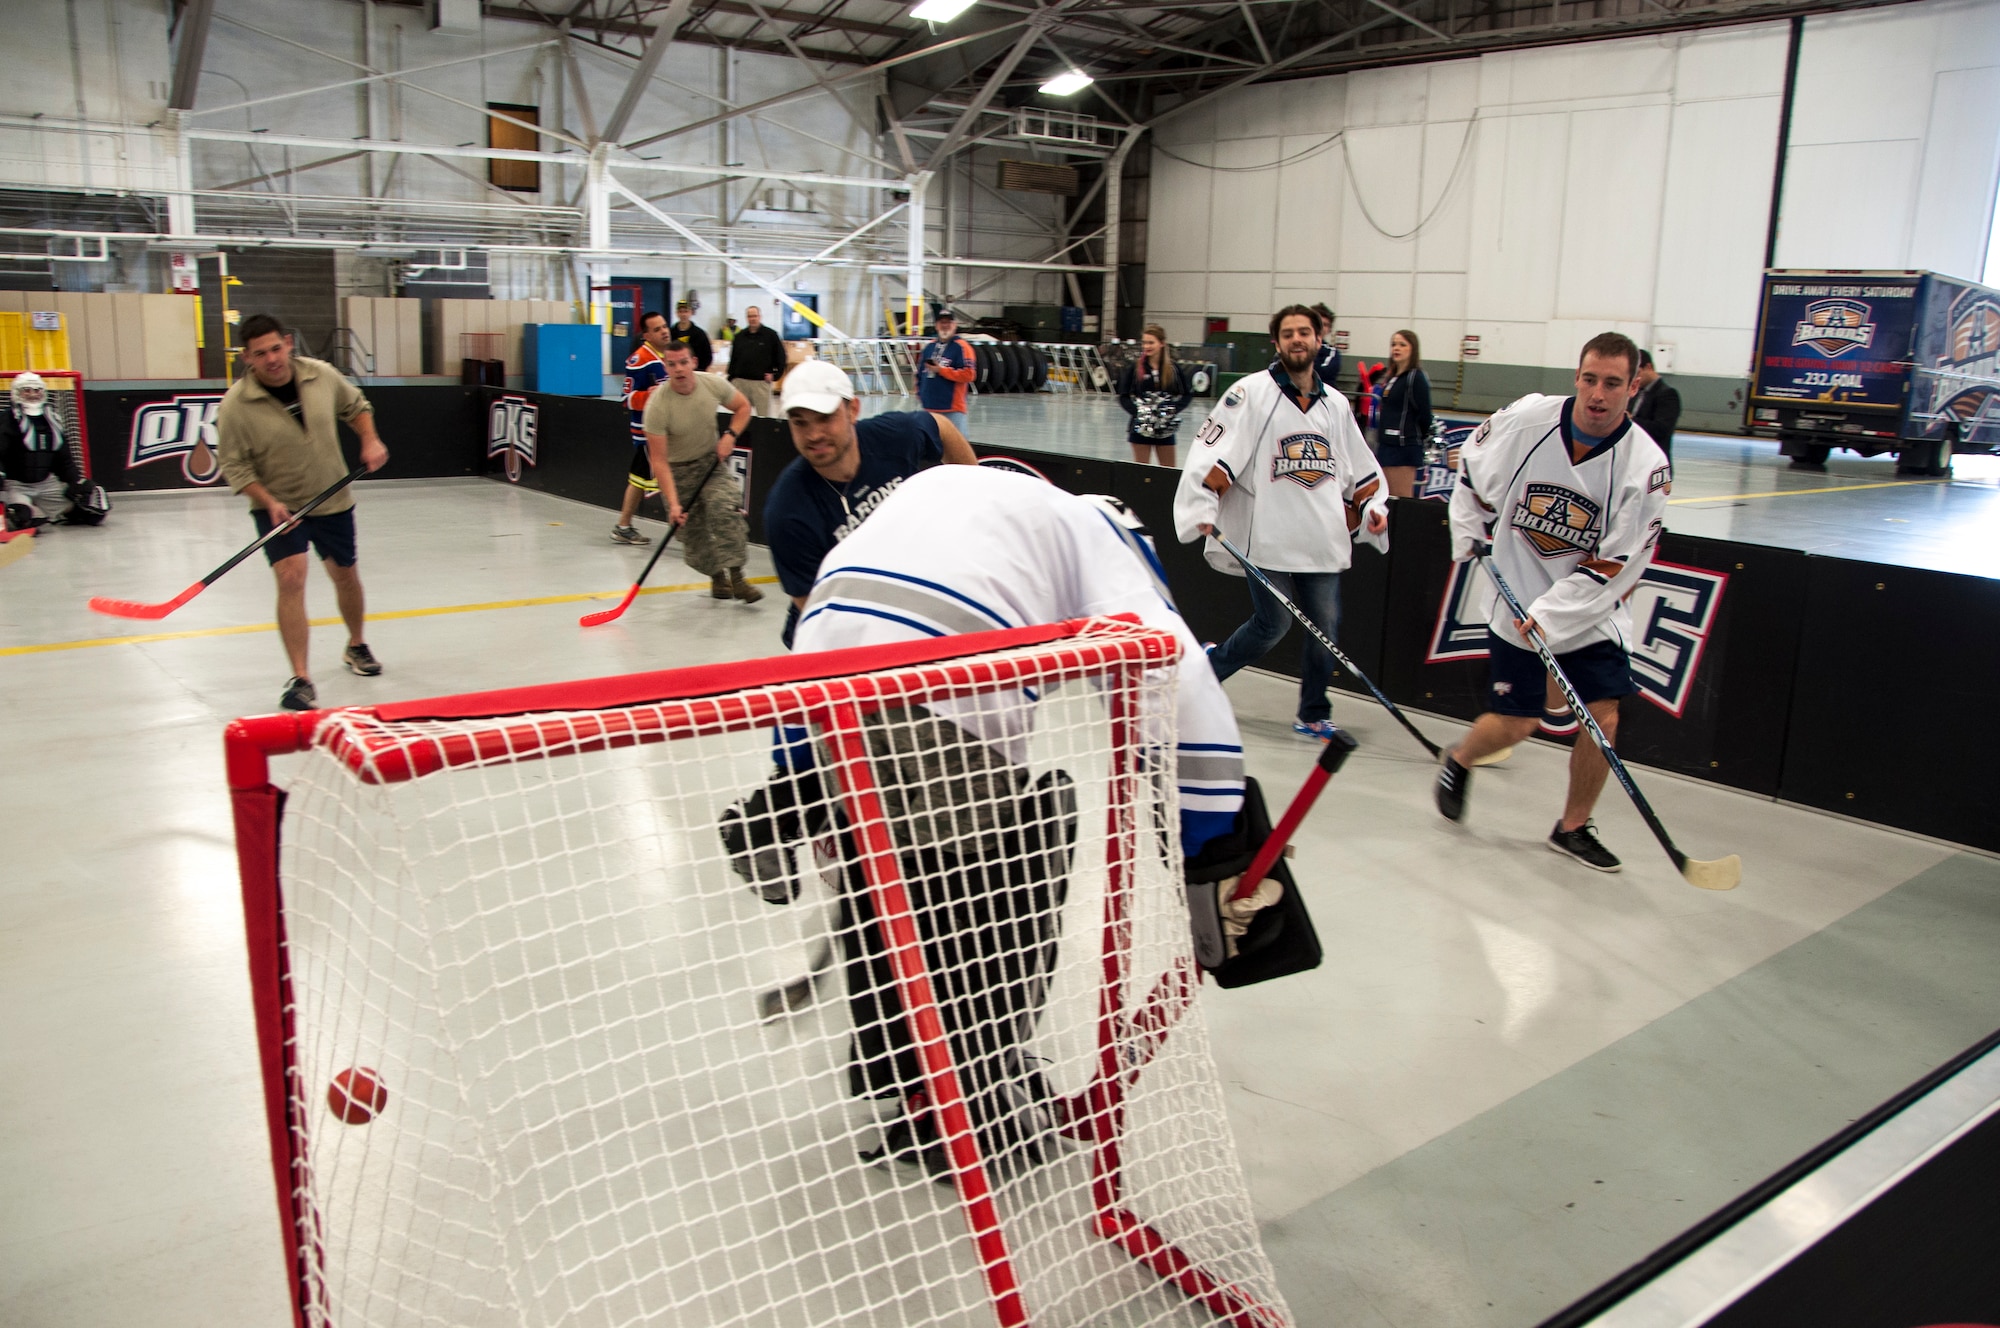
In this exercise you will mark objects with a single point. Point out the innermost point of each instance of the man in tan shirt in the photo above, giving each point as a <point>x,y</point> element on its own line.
<point>278,432</point>
<point>684,447</point>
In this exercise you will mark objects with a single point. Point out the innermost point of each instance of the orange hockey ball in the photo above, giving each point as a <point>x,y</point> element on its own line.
<point>356,1095</point>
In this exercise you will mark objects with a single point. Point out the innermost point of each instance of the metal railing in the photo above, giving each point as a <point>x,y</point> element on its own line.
<point>887,365</point>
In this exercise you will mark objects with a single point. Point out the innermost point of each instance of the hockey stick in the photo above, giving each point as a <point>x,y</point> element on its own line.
<point>1312,630</point>
<point>796,994</point>
<point>1722,873</point>
<point>126,608</point>
<point>603,616</point>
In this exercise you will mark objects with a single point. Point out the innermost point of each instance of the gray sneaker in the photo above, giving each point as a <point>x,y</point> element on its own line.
<point>1582,844</point>
<point>360,659</point>
<point>299,695</point>
<point>629,535</point>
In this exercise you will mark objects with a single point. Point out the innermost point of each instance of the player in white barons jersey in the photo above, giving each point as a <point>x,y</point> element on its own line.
<point>1279,468</point>
<point>1569,494</point>
<point>986,851</point>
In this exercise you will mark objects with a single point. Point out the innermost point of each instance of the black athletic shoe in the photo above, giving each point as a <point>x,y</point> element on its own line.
<point>918,1145</point>
<point>360,659</point>
<point>1582,844</point>
<point>629,535</point>
<point>299,695</point>
<point>1452,783</point>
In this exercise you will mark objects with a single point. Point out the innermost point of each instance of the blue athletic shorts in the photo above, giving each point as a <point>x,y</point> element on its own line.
<point>332,536</point>
<point>1517,684</point>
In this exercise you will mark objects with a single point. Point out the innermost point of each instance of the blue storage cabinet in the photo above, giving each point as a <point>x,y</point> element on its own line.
<point>564,358</point>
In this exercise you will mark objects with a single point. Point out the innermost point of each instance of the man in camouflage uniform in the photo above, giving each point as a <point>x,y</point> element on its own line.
<point>689,456</point>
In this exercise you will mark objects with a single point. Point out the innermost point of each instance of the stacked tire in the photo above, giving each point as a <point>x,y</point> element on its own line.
<point>1010,366</point>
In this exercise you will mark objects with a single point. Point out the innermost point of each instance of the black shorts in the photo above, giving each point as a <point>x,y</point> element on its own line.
<point>332,536</point>
<point>1517,684</point>
<point>641,474</point>
<point>1396,452</point>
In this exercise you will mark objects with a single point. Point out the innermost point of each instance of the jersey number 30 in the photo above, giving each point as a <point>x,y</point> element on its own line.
<point>1211,433</point>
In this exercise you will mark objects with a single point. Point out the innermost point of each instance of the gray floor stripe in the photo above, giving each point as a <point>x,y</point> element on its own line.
<point>1508,1218</point>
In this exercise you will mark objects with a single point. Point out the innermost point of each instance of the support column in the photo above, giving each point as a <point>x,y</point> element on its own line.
<point>1114,190</point>
<point>597,231</point>
<point>180,203</point>
<point>918,217</point>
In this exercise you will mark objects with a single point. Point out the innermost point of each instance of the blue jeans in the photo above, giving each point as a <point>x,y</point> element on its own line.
<point>1318,596</point>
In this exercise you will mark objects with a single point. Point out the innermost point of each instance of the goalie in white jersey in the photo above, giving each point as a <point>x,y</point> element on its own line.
<point>1569,495</point>
<point>962,549</point>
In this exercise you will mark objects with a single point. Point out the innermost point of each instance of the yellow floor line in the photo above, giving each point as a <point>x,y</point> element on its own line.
<point>1793,493</point>
<point>389,616</point>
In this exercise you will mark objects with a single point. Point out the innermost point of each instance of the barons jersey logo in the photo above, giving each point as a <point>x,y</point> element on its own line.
<point>510,433</point>
<point>1673,612</point>
<point>182,426</point>
<point>1558,521</point>
<point>1306,459</point>
<point>1834,327</point>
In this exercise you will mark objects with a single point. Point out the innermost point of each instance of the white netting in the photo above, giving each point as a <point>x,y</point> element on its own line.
<point>611,1098</point>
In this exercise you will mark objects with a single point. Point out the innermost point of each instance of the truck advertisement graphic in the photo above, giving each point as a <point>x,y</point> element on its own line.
<point>1836,341</point>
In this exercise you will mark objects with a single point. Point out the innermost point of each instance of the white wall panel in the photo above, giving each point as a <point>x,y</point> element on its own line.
<point>1395,96</point>
<point>1848,204</point>
<point>1387,170</point>
<point>1175,292</point>
<point>1864,76</point>
<point>1439,295</point>
<point>1611,214</point>
<point>1589,71</point>
<point>1444,244</point>
<point>1177,232</point>
<point>1454,90</point>
<point>1732,63</point>
<point>1243,206</point>
<point>1712,224</point>
<point>1521,163</point>
<point>1309,204</point>
<point>1240,295</point>
<point>1956,186</point>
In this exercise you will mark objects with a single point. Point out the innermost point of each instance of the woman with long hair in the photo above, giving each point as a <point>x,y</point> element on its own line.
<point>1403,419</point>
<point>1154,392</point>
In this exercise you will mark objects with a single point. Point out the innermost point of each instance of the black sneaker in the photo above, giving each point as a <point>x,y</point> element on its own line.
<point>360,659</point>
<point>1452,783</point>
<point>299,695</point>
<point>915,1145</point>
<point>629,535</point>
<point>1582,844</point>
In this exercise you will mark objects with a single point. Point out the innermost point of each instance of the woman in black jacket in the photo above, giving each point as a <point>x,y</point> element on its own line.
<point>1403,421</point>
<point>1154,392</point>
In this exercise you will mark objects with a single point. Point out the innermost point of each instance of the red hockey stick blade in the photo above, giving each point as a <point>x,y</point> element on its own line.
<point>603,616</point>
<point>127,608</point>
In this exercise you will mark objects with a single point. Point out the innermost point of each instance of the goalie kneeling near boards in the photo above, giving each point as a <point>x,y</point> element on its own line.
<point>985,850</point>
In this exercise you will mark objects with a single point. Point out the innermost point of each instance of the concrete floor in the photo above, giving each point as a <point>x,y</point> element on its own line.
<point>1724,487</point>
<point>1510,1078</point>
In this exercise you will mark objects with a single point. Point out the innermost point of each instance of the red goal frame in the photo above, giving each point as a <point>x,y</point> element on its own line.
<point>831,691</point>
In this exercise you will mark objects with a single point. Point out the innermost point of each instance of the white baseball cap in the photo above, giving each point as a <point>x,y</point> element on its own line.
<point>817,386</point>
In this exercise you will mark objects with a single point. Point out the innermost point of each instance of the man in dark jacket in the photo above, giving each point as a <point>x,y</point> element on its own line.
<point>1655,407</point>
<point>688,332</point>
<point>756,359</point>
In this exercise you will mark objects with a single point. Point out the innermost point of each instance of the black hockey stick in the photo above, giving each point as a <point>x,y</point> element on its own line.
<point>1721,874</point>
<point>1312,630</point>
<point>602,616</point>
<point>126,608</point>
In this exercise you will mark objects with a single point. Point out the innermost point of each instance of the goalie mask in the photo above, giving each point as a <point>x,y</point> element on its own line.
<point>31,394</point>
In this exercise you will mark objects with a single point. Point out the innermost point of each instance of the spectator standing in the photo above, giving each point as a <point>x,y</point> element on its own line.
<point>1403,420</point>
<point>1328,364</point>
<point>687,453</point>
<point>727,332</point>
<point>1281,471</point>
<point>1656,406</point>
<point>277,430</point>
<point>1154,392</point>
<point>945,368</point>
<point>756,360</point>
<point>689,334</point>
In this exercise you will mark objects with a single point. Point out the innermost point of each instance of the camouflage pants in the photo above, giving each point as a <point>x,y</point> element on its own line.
<point>716,538</point>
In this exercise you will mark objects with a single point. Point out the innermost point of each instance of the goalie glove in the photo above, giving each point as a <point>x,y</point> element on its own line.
<point>762,833</point>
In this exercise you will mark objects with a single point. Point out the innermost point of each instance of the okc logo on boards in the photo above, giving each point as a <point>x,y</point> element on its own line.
<point>182,426</point>
<point>1558,521</point>
<point>510,433</point>
<point>1303,458</point>
<point>1673,613</point>
<point>1834,327</point>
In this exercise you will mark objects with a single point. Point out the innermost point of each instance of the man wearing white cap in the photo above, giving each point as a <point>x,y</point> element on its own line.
<point>846,467</point>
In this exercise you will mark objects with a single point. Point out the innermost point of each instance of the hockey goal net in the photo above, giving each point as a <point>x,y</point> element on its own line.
<point>65,395</point>
<point>578,936</point>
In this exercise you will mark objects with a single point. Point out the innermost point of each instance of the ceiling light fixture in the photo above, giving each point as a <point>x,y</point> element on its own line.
<point>1067,83</point>
<point>940,11</point>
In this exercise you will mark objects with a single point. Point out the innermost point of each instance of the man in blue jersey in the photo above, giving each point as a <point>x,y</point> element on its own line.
<point>645,370</point>
<point>846,467</point>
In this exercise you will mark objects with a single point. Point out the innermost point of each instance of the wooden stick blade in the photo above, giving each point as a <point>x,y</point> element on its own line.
<point>18,545</point>
<point>603,616</point>
<point>1721,874</point>
<point>1495,758</point>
